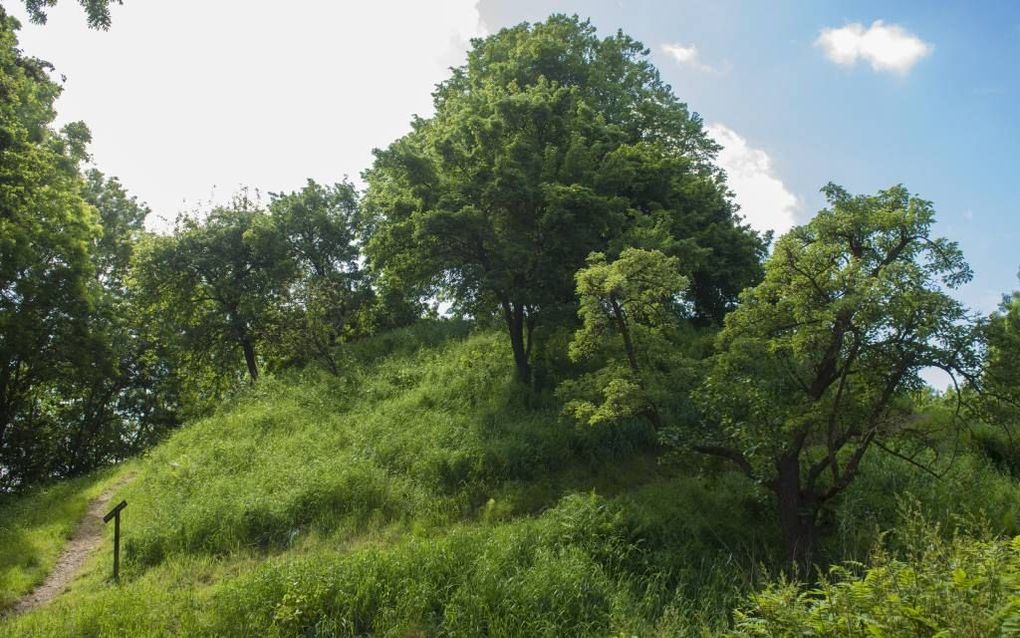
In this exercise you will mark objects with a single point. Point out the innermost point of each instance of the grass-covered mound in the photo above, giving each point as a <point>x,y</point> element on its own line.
<point>419,493</point>
<point>418,489</point>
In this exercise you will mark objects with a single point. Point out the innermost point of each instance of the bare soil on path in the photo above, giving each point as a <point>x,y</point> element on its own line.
<point>86,538</point>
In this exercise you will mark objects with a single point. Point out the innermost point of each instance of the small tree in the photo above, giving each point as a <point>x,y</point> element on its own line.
<point>816,365</point>
<point>999,399</point>
<point>629,318</point>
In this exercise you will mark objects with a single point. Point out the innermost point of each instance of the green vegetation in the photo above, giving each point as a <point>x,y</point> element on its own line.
<point>480,479</point>
<point>934,586</point>
<point>549,144</point>
<point>34,528</point>
<point>422,492</point>
<point>685,434</point>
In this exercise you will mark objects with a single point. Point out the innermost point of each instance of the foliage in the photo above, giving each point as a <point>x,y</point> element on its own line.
<point>309,484</point>
<point>328,300</point>
<point>818,363</point>
<point>267,287</point>
<point>630,319</point>
<point>97,11</point>
<point>46,292</point>
<point>547,145</point>
<point>963,586</point>
<point>415,489</point>
<point>82,381</point>
<point>999,384</point>
<point>970,488</point>
<point>416,492</point>
<point>124,399</point>
<point>214,282</point>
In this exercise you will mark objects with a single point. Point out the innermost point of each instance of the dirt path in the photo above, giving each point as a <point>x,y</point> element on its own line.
<point>87,536</point>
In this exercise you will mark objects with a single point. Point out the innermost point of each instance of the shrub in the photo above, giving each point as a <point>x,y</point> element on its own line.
<point>962,586</point>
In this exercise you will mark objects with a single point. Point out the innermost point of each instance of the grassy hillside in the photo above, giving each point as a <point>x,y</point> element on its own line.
<point>419,493</point>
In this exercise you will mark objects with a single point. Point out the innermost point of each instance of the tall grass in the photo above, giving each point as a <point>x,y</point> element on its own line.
<point>34,528</point>
<point>423,437</point>
<point>589,566</point>
<point>421,493</point>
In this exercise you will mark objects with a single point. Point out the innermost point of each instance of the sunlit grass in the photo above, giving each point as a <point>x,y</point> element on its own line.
<point>34,528</point>
<point>420,493</point>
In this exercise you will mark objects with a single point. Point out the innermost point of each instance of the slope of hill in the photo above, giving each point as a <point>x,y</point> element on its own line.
<point>415,492</point>
<point>418,494</point>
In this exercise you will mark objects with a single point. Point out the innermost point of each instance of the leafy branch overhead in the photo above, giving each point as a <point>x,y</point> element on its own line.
<point>97,11</point>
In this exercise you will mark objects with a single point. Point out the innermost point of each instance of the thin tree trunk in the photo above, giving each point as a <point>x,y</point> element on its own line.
<point>652,411</point>
<point>249,358</point>
<point>628,343</point>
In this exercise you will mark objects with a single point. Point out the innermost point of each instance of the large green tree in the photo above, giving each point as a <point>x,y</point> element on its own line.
<point>550,143</point>
<point>125,398</point>
<point>817,365</point>
<point>46,275</point>
<point>215,281</point>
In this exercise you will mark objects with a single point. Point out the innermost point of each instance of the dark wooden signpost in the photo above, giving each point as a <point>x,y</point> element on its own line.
<point>115,515</point>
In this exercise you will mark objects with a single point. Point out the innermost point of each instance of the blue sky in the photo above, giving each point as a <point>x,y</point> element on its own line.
<point>189,100</point>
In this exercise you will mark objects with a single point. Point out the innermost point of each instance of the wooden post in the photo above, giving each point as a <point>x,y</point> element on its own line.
<point>115,515</point>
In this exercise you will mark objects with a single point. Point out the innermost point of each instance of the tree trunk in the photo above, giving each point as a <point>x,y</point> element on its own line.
<point>249,358</point>
<point>628,343</point>
<point>515,323</point>
<point>797,516</point>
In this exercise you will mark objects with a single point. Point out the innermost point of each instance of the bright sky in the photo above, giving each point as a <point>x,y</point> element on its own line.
<point>188,100</point>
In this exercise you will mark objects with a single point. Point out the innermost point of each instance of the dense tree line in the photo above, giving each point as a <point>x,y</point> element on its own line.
<point>559,186</point>
<point>110,335</point>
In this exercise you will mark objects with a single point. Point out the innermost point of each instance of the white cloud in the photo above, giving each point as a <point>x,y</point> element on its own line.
<point>887,47</point>
<point>765,202</point>
<point>188,100</point>
<point>687,55</point>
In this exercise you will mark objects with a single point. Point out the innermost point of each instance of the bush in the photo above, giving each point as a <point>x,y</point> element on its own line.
<point>962,586</point>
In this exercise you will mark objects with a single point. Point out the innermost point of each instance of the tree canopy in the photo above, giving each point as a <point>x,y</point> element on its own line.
<point>46,228</point>
<point>216,279</point>
<point>817,364</point>
<point>549,144</point>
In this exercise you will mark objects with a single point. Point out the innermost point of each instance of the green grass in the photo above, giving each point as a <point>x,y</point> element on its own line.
<point>420,493</point>
<point>34,528</point>
<point>422,479</point>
